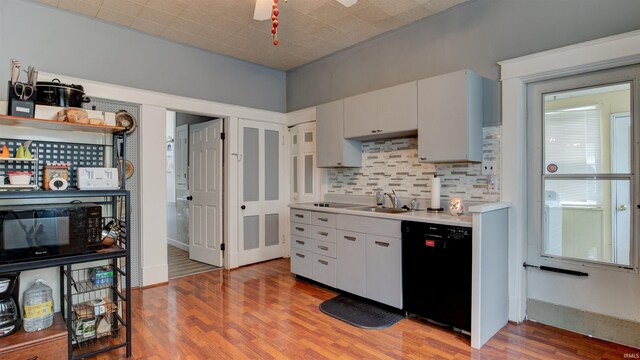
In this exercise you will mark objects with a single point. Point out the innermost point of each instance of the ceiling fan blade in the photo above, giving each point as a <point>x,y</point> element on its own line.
<point>262,10</point>
<point>347,3</point>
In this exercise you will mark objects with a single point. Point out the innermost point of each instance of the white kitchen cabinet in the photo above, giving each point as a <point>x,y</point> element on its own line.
<point>384,270</point>
<point>301,262</point>
<point>324,269</point>
<point>361,115</point>
<point>383,113</point>
<point>450,118</point>
<point>305,176</point>
<point>313,247</point>
<point>351,267</point>
<point>331,147</point>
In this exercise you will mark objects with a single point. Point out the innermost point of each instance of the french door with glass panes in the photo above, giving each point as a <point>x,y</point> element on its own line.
<point>260,191</point>
<point>584,153</point>
<point>305,176</point>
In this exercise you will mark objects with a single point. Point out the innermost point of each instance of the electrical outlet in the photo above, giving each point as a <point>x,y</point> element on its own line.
<point>489,168</point>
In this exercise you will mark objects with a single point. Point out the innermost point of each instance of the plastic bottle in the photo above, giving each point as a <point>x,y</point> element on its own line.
<point>38,307</point>
<point>379,199</point>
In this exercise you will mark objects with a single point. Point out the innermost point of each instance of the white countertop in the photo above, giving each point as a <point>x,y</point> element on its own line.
<point>484,208</point>
<point>419,216</point>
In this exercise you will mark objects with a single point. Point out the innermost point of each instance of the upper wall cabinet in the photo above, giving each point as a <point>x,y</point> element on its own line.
<point>450,118</point>
<point>382,113</point>
<point>332,149</point>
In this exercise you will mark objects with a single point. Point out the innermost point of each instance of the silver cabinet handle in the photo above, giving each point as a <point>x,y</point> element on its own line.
<point>323,248</point>
<point>423,158</point>
<point>300,242</point>
<point>323,219</point>
<point>323,233</point>
<point>374,131</point>
<point>323,262</point>
<point>300,255</point>
<point>382,243</point>
<point>300,216</point>
<point>351,238</point>
<point>379,130</point>
<point>299,229</point>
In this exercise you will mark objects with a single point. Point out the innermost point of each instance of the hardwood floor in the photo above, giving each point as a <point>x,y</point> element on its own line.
<point>262,312</point>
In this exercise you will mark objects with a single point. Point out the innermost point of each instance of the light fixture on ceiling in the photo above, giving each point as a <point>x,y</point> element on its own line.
<point>266,9</point>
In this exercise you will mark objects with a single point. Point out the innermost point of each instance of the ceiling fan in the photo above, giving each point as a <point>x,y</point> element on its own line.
<point>264,7</point>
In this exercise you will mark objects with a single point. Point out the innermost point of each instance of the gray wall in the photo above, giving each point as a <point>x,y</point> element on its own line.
<point>190,119</point>
<point>473,35</point>
<point>60,42</point>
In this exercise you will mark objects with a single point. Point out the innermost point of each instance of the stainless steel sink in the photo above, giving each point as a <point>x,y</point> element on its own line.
<point>381,210</point>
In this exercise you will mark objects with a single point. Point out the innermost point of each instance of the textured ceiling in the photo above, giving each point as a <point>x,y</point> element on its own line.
<point>309,29</point>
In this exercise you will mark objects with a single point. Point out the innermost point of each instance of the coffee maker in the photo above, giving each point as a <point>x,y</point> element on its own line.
<point>10,316</point>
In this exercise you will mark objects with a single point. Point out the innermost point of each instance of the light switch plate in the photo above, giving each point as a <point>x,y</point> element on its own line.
<point>489,168</point>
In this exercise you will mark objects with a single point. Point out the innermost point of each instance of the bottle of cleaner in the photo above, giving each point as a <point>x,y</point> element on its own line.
<point>379,199</point>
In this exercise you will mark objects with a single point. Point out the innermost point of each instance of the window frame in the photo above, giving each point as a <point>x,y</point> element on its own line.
<point>536,175</point>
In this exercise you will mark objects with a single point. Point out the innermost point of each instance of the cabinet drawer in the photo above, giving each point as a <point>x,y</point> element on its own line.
<point>369,225</point>
<point>49,350</point>
<point>324,270</point>
<point>303,230</point>
<point>300,216</point>
<point>301,243</point>
<point>301,263</point>
<point>323,219</point>
<point>323,234</point>
<point>324,248</point>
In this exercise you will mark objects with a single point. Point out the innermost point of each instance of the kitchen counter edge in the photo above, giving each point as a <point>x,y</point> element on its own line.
<point>418,216</point>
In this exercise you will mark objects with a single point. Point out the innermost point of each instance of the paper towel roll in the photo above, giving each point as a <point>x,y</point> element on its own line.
<point>435,192</point>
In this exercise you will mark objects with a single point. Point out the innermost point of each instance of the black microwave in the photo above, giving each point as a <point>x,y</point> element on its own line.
<point>47,231</point>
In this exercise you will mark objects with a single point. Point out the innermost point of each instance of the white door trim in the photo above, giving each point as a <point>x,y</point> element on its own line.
<point>609,52</point>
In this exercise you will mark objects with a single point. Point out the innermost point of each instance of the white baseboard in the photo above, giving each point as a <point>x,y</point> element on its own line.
<point>156,274</point>
<point>178,244</point>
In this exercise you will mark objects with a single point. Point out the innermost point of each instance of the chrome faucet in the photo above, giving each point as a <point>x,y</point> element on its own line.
<point>394,199</point>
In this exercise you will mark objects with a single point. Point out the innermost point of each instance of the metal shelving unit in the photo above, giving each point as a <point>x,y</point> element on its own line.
<point>75,287</point>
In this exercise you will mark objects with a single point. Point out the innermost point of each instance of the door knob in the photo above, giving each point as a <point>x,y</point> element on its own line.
<point>623,207</point>
<point>190,198</point>
<point>243,207</point>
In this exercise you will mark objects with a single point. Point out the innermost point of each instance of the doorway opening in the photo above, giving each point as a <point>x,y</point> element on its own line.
<point>194,154</point>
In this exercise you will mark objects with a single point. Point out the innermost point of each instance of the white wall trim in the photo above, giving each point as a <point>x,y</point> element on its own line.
<point>613,51</point>
<point>301,116</point>
<point>178,244</point>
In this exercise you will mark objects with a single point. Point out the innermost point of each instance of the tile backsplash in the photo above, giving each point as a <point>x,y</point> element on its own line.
<point>393,165</point>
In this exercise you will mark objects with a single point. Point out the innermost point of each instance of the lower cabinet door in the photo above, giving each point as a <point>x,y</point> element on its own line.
<point>301,261</point>
<point>324,270</point>
<point>351,267</point>
<point>384,270</point>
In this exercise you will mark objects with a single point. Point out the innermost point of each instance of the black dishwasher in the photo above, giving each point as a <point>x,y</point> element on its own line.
<point>436,273</point>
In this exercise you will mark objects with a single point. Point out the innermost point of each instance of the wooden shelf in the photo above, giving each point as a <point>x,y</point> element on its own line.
<point>10,159</point>
<point>57,125</point>
<point>9,186</point>
<point>23,339</point>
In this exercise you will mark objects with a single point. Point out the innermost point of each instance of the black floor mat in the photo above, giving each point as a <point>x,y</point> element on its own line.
<point>360,313</point>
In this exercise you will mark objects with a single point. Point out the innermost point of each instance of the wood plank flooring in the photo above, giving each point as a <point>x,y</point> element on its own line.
<point>180,264</point>
<point>262,312</point>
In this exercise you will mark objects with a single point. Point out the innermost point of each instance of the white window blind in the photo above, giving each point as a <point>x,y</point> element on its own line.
<point>572,142</point>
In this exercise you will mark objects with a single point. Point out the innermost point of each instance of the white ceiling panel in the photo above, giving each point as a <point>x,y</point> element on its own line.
<point>309,29</point>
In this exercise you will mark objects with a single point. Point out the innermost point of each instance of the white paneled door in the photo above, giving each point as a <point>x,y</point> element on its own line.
<point>260,191</point>
<point>205,192</point>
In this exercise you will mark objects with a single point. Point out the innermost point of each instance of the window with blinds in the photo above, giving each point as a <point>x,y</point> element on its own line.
<point>586,174</point>
<point>572,145</point>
